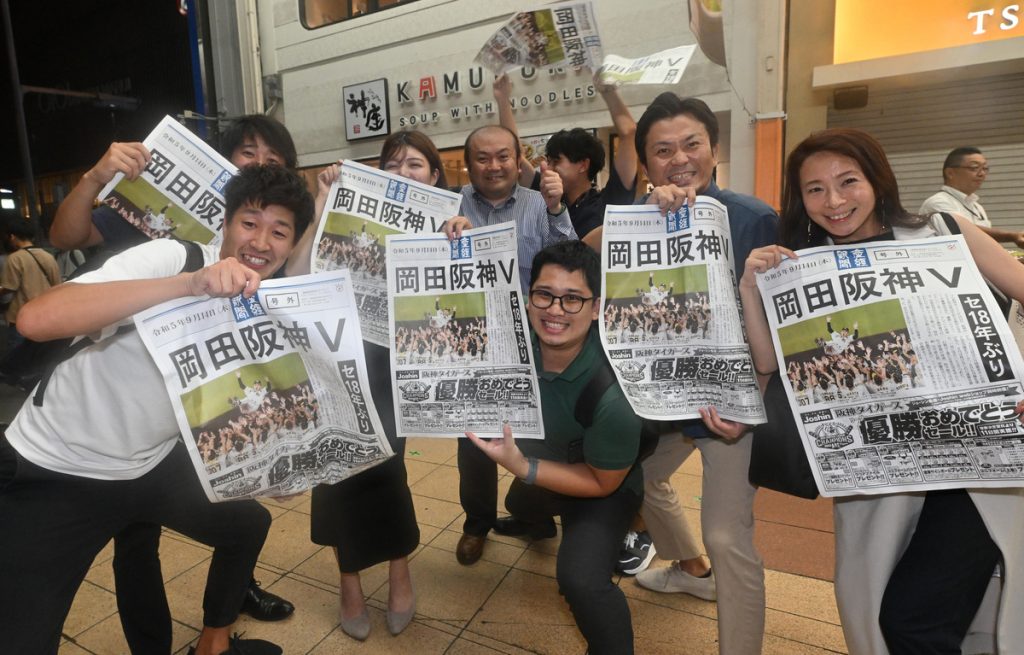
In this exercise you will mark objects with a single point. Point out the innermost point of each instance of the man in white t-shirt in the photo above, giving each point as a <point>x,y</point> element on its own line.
<point>88,459</point>
<point>963,173</point>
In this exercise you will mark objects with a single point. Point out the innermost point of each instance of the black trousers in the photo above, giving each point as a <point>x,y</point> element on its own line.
<point>936,588</point>
<point>141,601</point>
<point>592,533</point>
<point>53,525</point>
<point>478,488</point>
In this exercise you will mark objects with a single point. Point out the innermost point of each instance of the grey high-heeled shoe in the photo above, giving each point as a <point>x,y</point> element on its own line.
<point>398,621</point>
<point>358,627</point>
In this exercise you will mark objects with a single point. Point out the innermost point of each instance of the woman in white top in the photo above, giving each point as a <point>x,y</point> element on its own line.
<point>911,568</point>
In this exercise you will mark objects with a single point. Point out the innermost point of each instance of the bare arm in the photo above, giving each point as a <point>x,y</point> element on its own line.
<point>1004,236</point>
<point>74,309</point>
<point>997,265</point>
<point>72,226</point>
<point>577,480</point>
<point>625,160</point>
<point>300,261</point>
<point>502,89</point>
<point>759,334</point>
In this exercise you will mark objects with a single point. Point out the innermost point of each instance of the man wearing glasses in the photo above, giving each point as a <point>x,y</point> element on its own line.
<point>963,173</point>
<point>494,196</point>
<point>586,475</point>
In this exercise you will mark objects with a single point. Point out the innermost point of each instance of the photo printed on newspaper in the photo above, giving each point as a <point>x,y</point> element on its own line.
<point>270,392</point>
<point>900,369</point>
<point>460,341</point>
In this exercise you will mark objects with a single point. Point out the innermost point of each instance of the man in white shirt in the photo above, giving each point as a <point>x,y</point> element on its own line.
<point>93,459</point>
<point>963,173</point>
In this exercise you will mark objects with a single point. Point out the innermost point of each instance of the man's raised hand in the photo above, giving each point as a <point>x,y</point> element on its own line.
<point>225,279</point>
<point>128,158</point>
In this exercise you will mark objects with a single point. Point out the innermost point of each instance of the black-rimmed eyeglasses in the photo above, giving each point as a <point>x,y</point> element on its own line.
<point>570,302</point>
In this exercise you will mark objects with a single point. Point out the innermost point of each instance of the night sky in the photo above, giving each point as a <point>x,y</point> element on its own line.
<point>135,48</point>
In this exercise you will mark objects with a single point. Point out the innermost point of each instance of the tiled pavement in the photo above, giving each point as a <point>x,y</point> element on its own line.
<point>506,603</point>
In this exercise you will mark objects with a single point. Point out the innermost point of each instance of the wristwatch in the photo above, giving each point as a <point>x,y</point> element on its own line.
<point>561,208</point>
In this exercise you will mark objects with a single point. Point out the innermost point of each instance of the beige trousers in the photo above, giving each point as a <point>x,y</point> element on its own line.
<point>727,524</point>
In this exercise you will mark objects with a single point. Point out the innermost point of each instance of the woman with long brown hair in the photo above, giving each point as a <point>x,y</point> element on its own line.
<point>912,567</point>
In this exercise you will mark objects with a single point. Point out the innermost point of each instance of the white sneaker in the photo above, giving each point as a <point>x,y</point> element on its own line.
<point>671,579</point>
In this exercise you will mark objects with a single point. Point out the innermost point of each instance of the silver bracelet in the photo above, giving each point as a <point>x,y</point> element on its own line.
<point>531,472</point>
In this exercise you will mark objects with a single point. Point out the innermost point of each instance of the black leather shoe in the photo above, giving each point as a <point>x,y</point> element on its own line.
<point>265,606</point>
<point>513,527</point>
<point>239,646</point>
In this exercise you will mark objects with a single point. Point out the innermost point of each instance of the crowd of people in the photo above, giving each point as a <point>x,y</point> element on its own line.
<point>658,317</point>
<point>128,474</point>
<point>524,24</point>
<point>154,226</point>
<point>358,252</point>
<point>850,368</point>
<point>442,339</point>
<point>259,417</point>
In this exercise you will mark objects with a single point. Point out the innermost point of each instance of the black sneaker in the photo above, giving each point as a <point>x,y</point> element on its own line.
<point>637,552</point>
<point>247,647</point>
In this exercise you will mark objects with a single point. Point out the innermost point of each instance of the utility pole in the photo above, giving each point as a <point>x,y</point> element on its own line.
<point>19,116</point>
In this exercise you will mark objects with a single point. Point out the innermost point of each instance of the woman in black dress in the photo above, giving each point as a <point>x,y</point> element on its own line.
<point>369,518</point>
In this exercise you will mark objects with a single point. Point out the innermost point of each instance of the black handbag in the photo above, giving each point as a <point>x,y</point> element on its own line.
<point>777,457</point>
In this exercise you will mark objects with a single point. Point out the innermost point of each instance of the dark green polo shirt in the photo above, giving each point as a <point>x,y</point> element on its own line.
<point>611,443</point>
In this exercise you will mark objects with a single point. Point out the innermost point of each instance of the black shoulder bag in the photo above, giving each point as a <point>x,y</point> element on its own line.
<point>777,457</point>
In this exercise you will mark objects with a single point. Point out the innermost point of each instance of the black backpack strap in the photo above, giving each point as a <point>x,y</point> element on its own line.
<point>194,259</point>
<point>1003,302</point>
<point>586,405</point>
<point>65,349</point>
<point>951,224</point>
<point>46,276</point>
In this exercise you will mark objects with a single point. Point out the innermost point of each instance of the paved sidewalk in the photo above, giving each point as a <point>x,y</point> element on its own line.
<point>506,603</point>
